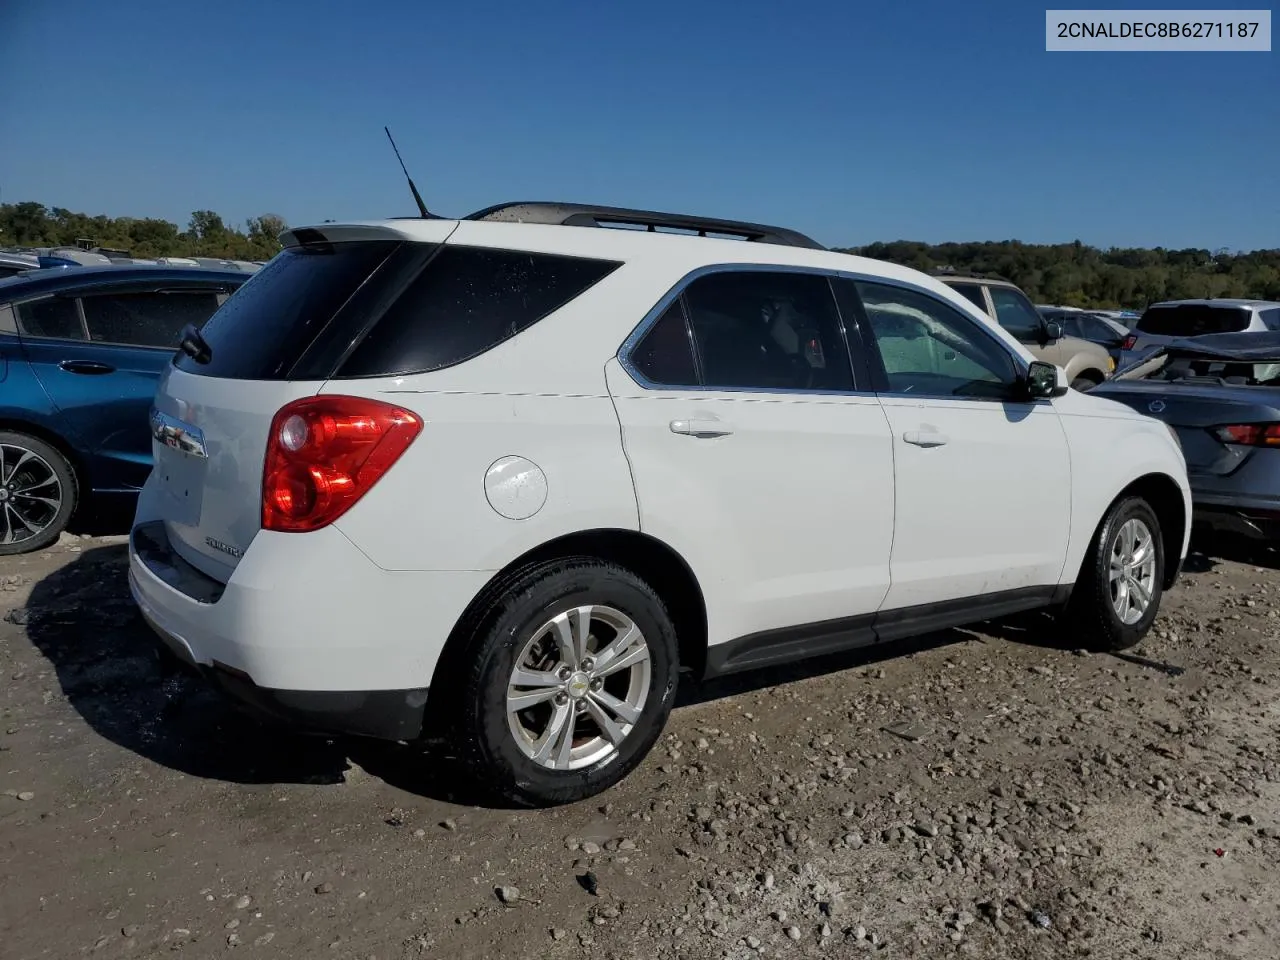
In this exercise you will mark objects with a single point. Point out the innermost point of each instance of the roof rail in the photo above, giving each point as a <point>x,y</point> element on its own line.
<point>589,215</point>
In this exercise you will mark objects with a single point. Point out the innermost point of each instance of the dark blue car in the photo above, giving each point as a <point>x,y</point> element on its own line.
<point>81,349</point>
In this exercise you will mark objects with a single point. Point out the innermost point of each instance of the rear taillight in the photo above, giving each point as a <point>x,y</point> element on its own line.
<point>324,453</point>
<point>1250,434</point>
<point>1129,342</point>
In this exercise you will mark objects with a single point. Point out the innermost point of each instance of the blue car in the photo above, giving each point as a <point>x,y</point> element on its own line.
<point>81,350</point>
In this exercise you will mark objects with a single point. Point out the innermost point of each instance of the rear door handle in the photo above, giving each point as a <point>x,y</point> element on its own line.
<point>925,438</point>
<point>701,427</point>
<point>86,366</point>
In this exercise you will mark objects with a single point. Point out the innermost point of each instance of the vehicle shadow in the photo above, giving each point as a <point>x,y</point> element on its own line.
<point>1218,546</point>
<point>83,620</point>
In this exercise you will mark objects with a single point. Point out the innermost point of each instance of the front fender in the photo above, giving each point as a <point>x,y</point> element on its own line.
<point>1109,454</point>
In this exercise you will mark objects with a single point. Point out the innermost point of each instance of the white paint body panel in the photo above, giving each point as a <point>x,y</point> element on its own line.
<point>987,509</point>
<point>813,508</point>
<point>786,520</point>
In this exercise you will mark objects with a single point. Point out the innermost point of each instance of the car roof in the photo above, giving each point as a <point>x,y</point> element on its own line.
<point>54,279</point>
<point>1217,302</point>
<point>603,243</point>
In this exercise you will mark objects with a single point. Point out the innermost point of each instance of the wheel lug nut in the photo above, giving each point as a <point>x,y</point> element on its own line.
<point>564,673</point>
<point>562,699</point>
<point>588,663</point>
<point>597,683</point>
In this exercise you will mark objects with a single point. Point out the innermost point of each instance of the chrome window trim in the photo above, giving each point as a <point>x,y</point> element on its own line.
<point>853,337</point>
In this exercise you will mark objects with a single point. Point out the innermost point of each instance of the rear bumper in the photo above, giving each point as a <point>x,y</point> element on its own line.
<point>1240,521</point>
<point>1252,515</point>
<point>307,629</point>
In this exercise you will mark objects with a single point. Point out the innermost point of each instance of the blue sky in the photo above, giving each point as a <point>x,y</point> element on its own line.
<point>917,120</point>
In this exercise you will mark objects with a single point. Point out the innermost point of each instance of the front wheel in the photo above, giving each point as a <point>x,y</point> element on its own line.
<point>1117,595</point>
<point>570,682</point>
<point>37,493</point>
<point>1084,383</point>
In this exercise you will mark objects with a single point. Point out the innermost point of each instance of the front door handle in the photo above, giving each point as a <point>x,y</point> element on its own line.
<point>86,366</point>
<point>701,427</point>
<point>925,438</point>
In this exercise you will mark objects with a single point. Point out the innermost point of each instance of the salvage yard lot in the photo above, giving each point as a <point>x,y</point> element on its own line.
<point>1033,801</point>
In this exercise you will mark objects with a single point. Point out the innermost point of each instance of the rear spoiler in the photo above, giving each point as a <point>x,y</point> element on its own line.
<point>413,229</point>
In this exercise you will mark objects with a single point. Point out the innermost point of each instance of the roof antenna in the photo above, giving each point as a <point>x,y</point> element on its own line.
<point>417,197</point>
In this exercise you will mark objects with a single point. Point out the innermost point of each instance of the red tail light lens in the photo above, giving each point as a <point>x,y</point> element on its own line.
<point>324,453</point>
<point>1129,342</point>
<point>1250,434</point>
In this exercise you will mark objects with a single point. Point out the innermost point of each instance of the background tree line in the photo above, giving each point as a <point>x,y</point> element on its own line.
<point>35,225</point>
<point>1072,274</point>
<point>1066,273</point>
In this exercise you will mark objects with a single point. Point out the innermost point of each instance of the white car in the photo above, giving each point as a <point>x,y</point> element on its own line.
<point>503,480</point>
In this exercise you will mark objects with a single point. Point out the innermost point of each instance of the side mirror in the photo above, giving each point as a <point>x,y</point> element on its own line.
<point>1042,381</point>
<point>1053,330</point>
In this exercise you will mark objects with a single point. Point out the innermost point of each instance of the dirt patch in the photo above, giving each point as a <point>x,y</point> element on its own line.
<point>980,793</point>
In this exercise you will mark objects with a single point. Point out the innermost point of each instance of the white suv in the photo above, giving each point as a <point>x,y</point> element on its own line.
<point>504,480</point>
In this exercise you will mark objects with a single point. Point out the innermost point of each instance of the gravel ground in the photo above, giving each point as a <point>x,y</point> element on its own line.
<point>981,793</point>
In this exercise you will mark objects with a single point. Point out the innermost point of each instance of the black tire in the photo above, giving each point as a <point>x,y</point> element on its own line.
<point>12,443</point>
<point>1091,618</point>
<point>487,746</point>
<point>1085,383</point>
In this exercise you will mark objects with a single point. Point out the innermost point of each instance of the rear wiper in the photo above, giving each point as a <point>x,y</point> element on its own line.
<point>194,345</point>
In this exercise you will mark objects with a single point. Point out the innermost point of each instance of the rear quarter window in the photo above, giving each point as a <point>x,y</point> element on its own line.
<point>466,301</point>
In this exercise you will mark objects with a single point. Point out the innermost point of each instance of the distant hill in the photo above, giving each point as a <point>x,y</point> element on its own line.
<point>1070,274</point>
<point>35,225</point>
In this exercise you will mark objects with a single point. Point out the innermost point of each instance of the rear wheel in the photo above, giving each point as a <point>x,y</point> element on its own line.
<point>37,493</point>
<point>570,683</point>
<point>1117,596</point>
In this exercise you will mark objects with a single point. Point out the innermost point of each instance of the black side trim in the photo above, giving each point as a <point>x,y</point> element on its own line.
<point>383,714</point>
<point>790,644</point>
<point>926,618</point>
<point>151,544</point>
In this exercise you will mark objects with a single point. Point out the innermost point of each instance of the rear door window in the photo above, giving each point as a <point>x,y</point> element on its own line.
<point>1192,320</point>
<point>54,318</point>
<point>146,318</point>
<point>468,300</point>
<point>768,330</point>
<point>665,355</point>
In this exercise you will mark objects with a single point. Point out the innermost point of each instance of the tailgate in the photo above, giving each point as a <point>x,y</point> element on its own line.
<point>209,439</point>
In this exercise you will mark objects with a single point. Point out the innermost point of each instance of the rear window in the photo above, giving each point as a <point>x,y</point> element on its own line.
<point>386,306</point>
<point>265,327</point>
<point>1192,320</point>
<point>468,300</point>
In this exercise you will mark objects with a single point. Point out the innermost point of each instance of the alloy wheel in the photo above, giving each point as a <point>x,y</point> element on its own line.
<point>579,687</point>
<point>30,494</point>
<point>1132,571</point>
